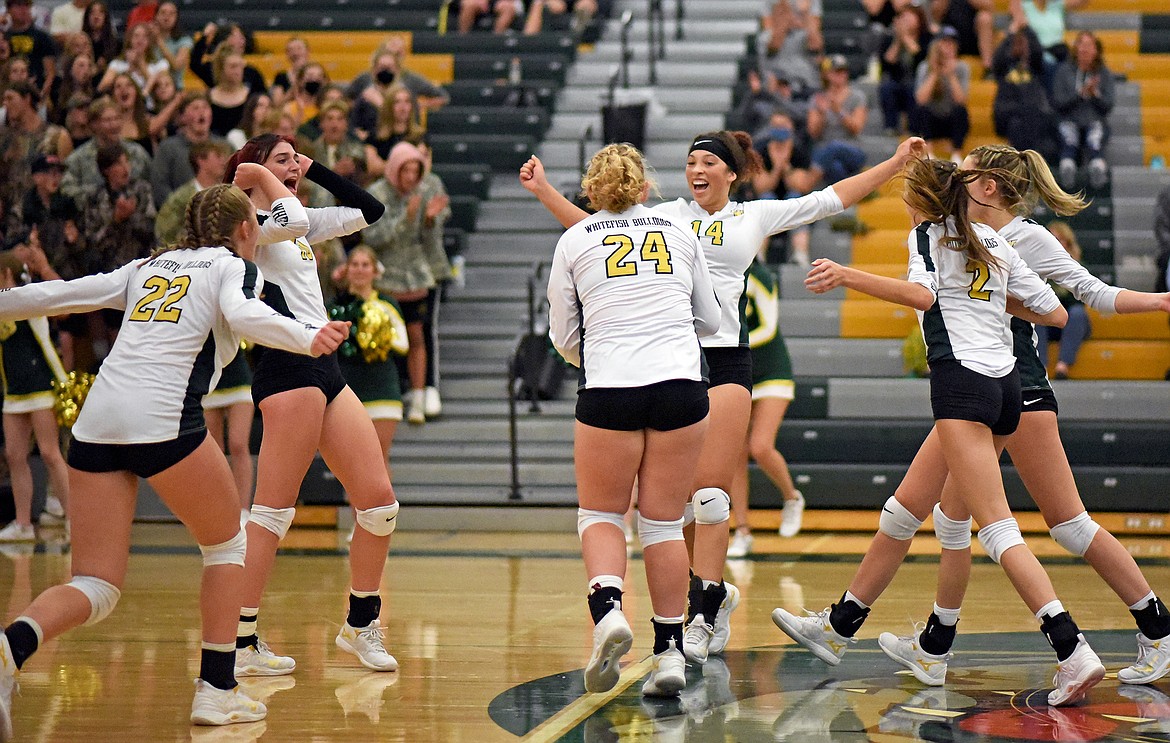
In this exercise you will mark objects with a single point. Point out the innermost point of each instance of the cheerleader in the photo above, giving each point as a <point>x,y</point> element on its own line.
<point>307,406</point>
<point>731,233</point>
<point>229,408</point>
<point>963,277</point>
<point>636,284</point>
<point>183,310</point>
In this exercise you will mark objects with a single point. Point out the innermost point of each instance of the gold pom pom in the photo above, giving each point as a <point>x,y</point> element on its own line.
<point>7,328</point>
<point>70,395</point>
<point>375,331</point>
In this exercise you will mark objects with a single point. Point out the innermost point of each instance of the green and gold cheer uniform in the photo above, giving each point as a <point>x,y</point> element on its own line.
<point>771,364</point>
<point>375,383</point>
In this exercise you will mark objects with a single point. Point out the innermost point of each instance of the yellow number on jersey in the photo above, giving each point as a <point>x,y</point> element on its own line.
<point>653,250</point>
<point>981,276</point>
<point>715,231</point>
<point>159,287</point>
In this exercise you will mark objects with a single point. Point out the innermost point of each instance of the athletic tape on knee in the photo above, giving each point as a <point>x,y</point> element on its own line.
<point>103,596</point>
<point>688,514</point>
<point>275,520</point>
<point>952,535</point>
<point>712,506</point>
<point>587,518</point>
<point>651,532</point>
<point>380,520</point>
<point>896,522</point>
<point>1076,534</point>
<point>999,537</point>
<point>230,552</point>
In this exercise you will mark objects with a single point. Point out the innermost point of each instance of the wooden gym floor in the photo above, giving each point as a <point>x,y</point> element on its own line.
<point>491,632</point>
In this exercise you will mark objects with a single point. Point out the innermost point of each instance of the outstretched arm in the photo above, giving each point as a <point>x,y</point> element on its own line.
<point>47,298</point>
<point>826,275</point>
<point>564,211</point>
<point>855,188</point>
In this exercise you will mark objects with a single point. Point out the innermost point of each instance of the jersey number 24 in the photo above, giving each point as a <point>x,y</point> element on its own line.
<point>653,250</point>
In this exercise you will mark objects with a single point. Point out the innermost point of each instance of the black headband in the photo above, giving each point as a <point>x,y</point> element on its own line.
<point>716,148</point>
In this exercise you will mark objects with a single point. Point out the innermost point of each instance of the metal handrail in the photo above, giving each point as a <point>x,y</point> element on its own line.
<point>654,38</point>
<point>582,146</point>
<point>627,54</point>
<point>611,84</point>
<point>679,14</point>
<point>515,491</point>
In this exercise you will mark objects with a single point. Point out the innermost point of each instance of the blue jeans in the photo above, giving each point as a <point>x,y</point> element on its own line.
<point>896,99</point>
<point>838,160</point>
<point>1071,336</point>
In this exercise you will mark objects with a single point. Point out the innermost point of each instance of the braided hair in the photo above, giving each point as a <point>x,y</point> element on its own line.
<point>213,214</point>
<point>937,191</point>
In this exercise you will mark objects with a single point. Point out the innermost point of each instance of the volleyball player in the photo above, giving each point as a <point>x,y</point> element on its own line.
<point>143,418</point>
<point>229,411</point>
<point>730,233</point>
<point>627,291</point>
<point>306,407</point>
<point>960,283</point>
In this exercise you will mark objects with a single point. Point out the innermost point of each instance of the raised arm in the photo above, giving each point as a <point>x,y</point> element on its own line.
<point>564,211</point>
<point>826,275</point>
<point>89,293</point>
<point>855,188</point>
<point>287,218</point>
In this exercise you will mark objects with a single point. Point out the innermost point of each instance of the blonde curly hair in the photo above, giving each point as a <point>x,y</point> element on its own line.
<point>616,178</point>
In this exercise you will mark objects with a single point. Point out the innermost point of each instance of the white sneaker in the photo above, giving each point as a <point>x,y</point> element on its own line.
<point>1098,173</point>
<point>612,638</point>
<point>8,675</point>
<point>792,516</point>
<point>53,514</point>
<point>416,404</point>
<point>722,633</point>
<point>259,660</point>
<point>213,706</point>
<point>741,545</point>
<point>1068,172</point>
<point>15,532</point>
<point>697,639</point>
<point>929,669</point>
<point>667,676</point>
<point>432,403</point>
<point>815,633</point>
<point>1075,675</point>
<point>1153,662</point>
<point>367,643</point>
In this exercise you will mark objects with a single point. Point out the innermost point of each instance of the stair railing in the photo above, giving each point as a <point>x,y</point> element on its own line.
<point>627,54</point>
<point>656,38</point>
<point>535,300</point>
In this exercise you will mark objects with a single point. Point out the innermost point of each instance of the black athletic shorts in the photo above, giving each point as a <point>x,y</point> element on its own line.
<point>729,366</point>
<point>957,392</point>
<point>414,311</point>
<point>143,460</point>
<point>280,371</point>
<point>662,406</point>
<point>1040,398</point>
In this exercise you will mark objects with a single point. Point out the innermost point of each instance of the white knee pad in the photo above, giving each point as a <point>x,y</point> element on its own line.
<point>711,506</point>
<point>380,520</point>
<point>952,535</point>
<point>587,518</point>
<point>997,538</point>
<point>1076,534</point>
<point>896,522</point>
<point>688,514</point>
<point>275,520</point>
<point>103,596</point>
<point>230,552</point>
<point>651,532</point>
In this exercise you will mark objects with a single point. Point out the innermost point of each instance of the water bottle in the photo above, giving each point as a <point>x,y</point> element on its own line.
<point>515,73</point>
<point>457,273</point>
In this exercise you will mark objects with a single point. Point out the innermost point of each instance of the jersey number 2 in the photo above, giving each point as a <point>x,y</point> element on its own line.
<point>979,280</point>
<point>169,292</point>
<point>653,250</point>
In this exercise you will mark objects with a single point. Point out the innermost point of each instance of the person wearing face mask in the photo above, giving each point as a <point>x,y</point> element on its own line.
<point>388,66</point>
<point>304,101</point>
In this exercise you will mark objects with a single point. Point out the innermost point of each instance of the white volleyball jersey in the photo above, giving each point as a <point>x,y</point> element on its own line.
<point>732,236</point>
<point>185,313</point>
<point>284,253</point>
<point>627,293</point>
<point>968,321</point>
<point>1047,257</point>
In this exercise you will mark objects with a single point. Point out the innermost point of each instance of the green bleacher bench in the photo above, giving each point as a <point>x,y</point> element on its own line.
<point>465,179</point>
<point>499,93</point>
<point>464,212</point>
<point>496,66</point>
<point>481,120</point>
<point>564,44</point>
<point>503,152</point>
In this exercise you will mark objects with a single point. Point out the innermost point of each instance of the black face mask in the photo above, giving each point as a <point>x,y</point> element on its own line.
<point>313,87</point>
<point>384,77</point>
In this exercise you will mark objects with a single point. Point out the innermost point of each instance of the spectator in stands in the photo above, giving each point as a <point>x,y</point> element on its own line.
<point>397,238</point>
<point>207,44</point>
<point>207,159</point>
<point>583,12</point>
<point>974,23</point>
<point>78,77</point>
<point>162,108</point>
<point>54,216</point>
<point>15,70</point>
<point>766,94</point>
<point>775,143</point>
<point>76,122</point>
<point>66,19</point>
<point>470,11</point>
<point>310,129</point>
<point>296,51</point>
<point>900,52</point>
<point>142,12</point>
<point>132,106</point>
<point>368,90</point>
<point>230,93</point>
<point>1082,94</point>
<point>171,167</point>
<point>99,28</point>
<point>305,96</point>
<point>24,136</point>
<point>30,42</point>
<point>173,44</point>
<point>1078,329</point>
<point>81,170</point>
<point>835,120</point>
<point>336,148</point>
<point>140,58</point>
<point>434,195</point>
<point>941,88</point>
<point>118,215</point>
<point>1021,112</point>
<point>794,43</point>
<point>1046,18</point>
<point>255,109</point>
<point>398,120</point>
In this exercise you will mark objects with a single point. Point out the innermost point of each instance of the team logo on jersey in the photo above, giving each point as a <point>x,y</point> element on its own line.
<point>737,213</point>
<point>306,249</point>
